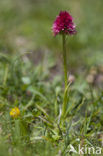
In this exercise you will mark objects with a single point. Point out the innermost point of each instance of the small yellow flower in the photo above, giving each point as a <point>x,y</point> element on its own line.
<point>15,112</point>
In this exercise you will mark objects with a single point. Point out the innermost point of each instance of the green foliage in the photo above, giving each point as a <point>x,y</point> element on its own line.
<point>38,128</point>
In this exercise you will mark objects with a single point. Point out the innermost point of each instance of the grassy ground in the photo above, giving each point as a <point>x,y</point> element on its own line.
<point>31,78</point>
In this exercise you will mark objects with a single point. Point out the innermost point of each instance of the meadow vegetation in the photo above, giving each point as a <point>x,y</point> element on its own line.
<point>31,78</point>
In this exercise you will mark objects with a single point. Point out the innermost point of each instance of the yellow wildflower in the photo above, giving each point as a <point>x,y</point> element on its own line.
<point>15,112</point>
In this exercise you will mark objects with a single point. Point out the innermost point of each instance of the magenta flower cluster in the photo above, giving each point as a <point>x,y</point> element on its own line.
<point>64,24</point>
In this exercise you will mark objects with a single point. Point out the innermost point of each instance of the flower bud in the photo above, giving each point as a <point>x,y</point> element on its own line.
<point>71,78</point>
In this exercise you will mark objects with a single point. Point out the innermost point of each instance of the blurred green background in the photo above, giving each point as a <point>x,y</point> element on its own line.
<point>25,26</point>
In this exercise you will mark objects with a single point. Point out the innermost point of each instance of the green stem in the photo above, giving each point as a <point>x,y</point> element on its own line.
<point>65,75</point>
<point>64,59</point>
